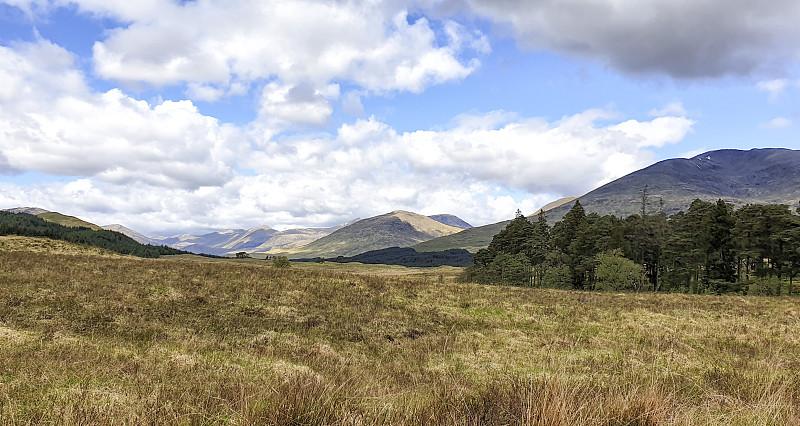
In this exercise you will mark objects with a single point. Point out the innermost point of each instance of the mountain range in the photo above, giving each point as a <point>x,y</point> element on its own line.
<point>396,229</point>
<point>757,176</point>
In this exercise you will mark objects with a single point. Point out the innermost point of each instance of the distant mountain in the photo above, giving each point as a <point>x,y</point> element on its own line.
<point>395,229</point>
<point>28,210</point>
<point>255,240</point>
<point>449,219</point>
<point>757,176</point>
<point>139,238</point>
<point>472,239</point>
<point>54,217</point>
<point>476,238</point>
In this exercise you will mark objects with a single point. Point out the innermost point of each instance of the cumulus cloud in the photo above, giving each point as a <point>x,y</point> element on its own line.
<point>371,44</point>
<point>682,39</point>
<point>482,168</point>
<point>51,122</point>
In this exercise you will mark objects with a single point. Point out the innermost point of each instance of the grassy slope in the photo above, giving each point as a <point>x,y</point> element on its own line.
<point>65,220</point>
<point>474,239</point>
<point>85,338</point>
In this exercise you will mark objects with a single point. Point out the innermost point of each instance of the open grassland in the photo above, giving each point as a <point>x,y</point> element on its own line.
<point>87,337</point>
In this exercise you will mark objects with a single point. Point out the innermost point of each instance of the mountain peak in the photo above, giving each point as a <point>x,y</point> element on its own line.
<point>28,210</point>
<point>399,228</point>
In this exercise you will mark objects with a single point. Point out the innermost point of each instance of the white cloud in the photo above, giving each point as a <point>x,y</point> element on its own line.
<point>51,122</point>
<point>482,168</point>
<point>776,123</point>
<point>775,88</point>
<point>212,43</point>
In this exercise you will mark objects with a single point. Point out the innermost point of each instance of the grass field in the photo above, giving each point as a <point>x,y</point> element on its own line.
<point>88,337</point>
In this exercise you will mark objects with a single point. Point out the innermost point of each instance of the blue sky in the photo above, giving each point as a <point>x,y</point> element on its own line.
<point>192,116</point>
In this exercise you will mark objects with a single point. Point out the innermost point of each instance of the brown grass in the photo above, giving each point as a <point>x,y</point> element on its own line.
<point>92,338</point>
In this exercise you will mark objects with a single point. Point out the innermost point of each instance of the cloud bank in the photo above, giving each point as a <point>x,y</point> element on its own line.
<point>159,165</point>
<point>165,166</point>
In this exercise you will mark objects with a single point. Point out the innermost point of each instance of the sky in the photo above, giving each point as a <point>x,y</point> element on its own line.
<point>172,116</point>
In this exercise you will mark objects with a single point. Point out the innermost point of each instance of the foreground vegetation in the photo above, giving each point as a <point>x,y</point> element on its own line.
<point>87,336</point>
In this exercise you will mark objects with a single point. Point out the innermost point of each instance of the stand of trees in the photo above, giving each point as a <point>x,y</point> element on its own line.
<point>711,248</point>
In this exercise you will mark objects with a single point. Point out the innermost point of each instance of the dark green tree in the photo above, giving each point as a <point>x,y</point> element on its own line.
<point>720,249</point>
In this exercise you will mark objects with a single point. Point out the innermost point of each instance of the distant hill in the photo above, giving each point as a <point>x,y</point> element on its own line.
<point>26,225</point>
<point>29,210</point>
<point>255,240</point>
<point>472,239</point>
<point>476,238</point>
<point>757,176</point>
<point>54,217</point>
<point>139,238</point>
<point>71,221</point>
<point>395,229</point>
<point>452,220</point>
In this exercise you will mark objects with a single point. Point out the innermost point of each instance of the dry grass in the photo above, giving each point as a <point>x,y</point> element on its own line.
<point>88,338</point>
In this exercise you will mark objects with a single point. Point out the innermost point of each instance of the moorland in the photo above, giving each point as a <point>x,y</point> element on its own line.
<point>89,336</point>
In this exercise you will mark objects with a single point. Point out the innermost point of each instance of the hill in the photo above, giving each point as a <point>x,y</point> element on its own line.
<point>29,210</point>
<point>472,239</point>
<point>452,220</point>
<point>757,176</point>
<point>476,238</point>
<point>70,221</point>
<point>139,238</point>
<point>54,217</point>
<point>255,240</point>
<point>395,229</point>
<point>23,224</point>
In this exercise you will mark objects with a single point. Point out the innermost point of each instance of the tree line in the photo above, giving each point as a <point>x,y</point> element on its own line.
<point>27,225</point>
<point>712,248</point>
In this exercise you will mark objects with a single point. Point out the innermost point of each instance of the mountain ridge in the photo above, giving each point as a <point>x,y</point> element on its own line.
<point>395,229</point>
<point>739,177</point>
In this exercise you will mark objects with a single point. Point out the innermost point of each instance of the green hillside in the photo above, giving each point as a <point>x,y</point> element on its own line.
<point>71,221</point>
<point>23,224</point>
<point>472,239</point>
